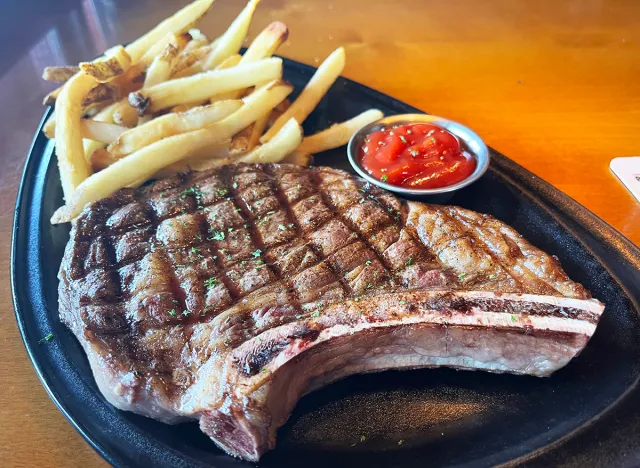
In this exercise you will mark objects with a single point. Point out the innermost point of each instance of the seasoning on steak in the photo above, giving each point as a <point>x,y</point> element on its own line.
<point>225,295</point>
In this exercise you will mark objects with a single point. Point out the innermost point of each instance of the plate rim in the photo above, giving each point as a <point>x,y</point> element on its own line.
<point>565,209</point>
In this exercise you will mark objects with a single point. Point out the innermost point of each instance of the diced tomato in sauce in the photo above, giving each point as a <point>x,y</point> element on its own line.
<point>416,156</point>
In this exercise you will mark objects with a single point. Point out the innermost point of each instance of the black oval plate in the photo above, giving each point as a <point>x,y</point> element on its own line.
<point>585,414</point>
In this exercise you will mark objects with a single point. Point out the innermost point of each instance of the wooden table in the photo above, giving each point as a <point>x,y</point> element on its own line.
<point>552,84</point>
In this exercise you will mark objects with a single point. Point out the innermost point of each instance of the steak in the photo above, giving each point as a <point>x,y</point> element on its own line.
<point>223,296</point>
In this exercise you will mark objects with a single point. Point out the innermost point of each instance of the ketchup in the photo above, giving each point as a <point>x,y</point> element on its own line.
<point>419,156</point>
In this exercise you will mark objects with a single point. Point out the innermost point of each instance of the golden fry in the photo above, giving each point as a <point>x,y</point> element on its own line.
<point>339,134</point>
<point>171,124</point>
<point>59,74</point>
<point>91,129</point>
<point>311,95</point>
<point>115,63</point>
<point>282,144</point>
<point>188,58</point>
<point>201,87</point>
<point>231,41</point>
<point>139,165</point>
<point>160,69</point>
<point>177,24</point>
<point>179,41</point>
<point>73,166</point>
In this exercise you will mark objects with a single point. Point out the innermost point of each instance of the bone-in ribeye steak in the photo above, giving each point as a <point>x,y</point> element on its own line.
<point>225,295</point>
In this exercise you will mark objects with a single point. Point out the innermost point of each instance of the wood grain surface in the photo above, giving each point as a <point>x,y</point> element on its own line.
<point>552,84</point>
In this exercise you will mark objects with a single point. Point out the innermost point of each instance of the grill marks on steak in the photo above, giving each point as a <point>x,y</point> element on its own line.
<point>191,295</point>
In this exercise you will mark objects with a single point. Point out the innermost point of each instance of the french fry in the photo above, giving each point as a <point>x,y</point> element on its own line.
<point>101,131</point>
<point>196,67</point>
<point>201,87</point>
<point>297,158</point>
<point>49,127</point>
<point>262,47</point>
<point>138,166</point>
<point>50,98</point>
<point>102,92</point>
<point>240,142</point>
<point>179,41</point>
<point>231,41</point>
<point>188,59</point>
<point>183,107</point>
<point>171,124</point>
<point>93,130</point>
<point>339,134</point>
<point>177,24</point>
<point>257,130</point>
<point>282,144</point>
<point>105,115</point>
<point>124,114</point>
<point>150,159</point>
<point>256,105</point>
<point>115,63</point>
<point>129,81</point>
<point>160,69</point>
<point>59,74</point>
<point>229,62</point>
<point>267,42</point>
<point>311,95</point>
<point>73,166</point>
<point>198,39</point>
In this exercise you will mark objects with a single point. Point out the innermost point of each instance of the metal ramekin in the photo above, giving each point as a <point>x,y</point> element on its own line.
<point>469,141</point>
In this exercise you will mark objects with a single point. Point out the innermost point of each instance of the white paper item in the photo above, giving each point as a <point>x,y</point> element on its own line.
<point>628,171</point>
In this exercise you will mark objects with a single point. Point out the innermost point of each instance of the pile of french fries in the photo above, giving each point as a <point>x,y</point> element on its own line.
<point>173,100</point>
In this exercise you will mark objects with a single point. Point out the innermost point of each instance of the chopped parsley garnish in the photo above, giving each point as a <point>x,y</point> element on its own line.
<point>492,276</point>
<point>259,262</point>
<point>462,275</point>
<point>400,442</point>
<point>315,314</point>
<point>217,235</point>
<point>172,312</point>
<point>409,261</point>
<point>222,192</point>
<point>368,262</point>
<point>210,283</point>
<point>256,254</point>
<point>282,227</point>
<point>384,178</point>
<point>46,338</point>
<point>186,312</point>
<point>363,438</point>
<point>195,191</point>
<point>230,229</point>
<point>235,185</point>
<point>196,251</point>
<point>513,318</point>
